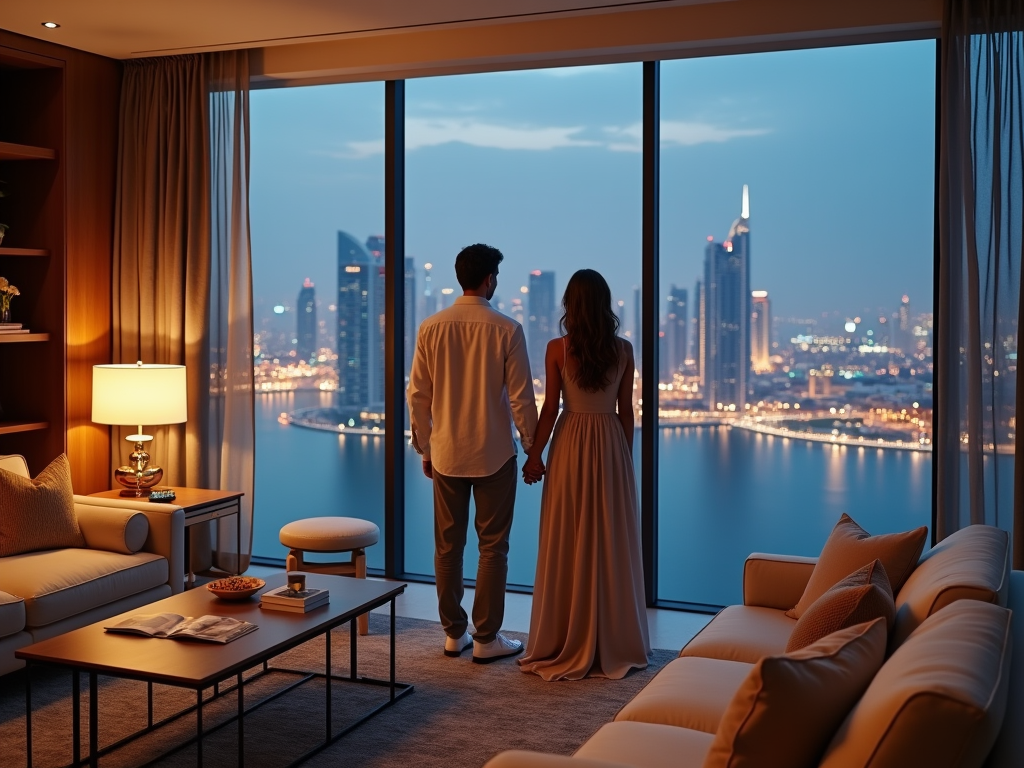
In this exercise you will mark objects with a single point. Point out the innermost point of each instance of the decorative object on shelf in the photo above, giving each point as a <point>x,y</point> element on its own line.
<point>7,292</point>
<point>3,228</point>
<point>129,395</point>
<point>236,587</point>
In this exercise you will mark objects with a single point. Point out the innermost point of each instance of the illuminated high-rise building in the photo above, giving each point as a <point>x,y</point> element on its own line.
<point>305,321</point>
<point>905,335</point>
<point>358,341</point>
<point>727,316</point>
<point>543,324</point>
<point>428,301</point>
<point>409,331</point>
<point>638,328</point>
<point>698,326</point>
<point>760,332</point>
<point>676,348</point>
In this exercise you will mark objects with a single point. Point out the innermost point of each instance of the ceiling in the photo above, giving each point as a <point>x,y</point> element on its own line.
<point>125,29</point>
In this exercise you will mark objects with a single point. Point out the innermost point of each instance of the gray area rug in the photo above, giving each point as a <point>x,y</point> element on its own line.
<point>461,714</point>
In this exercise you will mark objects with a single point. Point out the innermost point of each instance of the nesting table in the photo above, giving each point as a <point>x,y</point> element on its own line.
<point>201,666</point>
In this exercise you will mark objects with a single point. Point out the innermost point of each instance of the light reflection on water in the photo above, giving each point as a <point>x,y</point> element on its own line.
<point>722,494</point>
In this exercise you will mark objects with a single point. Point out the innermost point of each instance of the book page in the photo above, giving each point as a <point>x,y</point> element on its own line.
<point>153,624</point>
<point>218,629</point>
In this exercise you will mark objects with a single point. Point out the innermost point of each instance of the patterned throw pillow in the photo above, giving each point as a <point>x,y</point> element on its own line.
<point>790,706</point>
<point>38,514</point>
<point>862,596</point>
<point>850,547</point>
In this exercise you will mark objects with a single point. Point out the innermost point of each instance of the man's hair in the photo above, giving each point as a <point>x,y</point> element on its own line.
<point>474,263</point>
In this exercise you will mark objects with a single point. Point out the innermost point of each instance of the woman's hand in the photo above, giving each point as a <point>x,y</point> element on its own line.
<point>533,470</point>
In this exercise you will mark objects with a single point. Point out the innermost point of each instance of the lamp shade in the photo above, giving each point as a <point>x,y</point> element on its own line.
<point>139,394</point>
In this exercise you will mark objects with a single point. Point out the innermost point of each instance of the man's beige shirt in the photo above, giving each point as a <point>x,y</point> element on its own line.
<point>470,382</point>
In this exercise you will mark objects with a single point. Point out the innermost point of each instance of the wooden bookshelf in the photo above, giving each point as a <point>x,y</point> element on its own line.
<point>13,427</point>
<point>14,338</point>
<point>10,151</point>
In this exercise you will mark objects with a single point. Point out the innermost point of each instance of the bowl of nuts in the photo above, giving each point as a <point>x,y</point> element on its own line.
<point>236,587</point>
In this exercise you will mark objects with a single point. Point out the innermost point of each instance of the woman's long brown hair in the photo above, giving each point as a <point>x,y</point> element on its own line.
<point>591,327</point>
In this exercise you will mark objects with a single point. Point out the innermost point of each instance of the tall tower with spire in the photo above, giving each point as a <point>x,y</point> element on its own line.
<point>726,311</point>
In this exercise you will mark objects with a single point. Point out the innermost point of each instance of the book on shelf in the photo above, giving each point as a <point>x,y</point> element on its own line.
<point>11,331</point>
<point>284,599</point>
<point>10,325</point>
<point>211,629</point>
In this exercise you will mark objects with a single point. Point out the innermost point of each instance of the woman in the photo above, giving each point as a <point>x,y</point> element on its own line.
<point>589,616</point>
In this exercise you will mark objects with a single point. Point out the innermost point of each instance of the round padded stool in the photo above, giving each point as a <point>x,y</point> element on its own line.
<point>331,534</point>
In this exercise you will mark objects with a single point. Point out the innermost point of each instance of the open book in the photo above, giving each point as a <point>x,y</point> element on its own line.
<point>213,629</point>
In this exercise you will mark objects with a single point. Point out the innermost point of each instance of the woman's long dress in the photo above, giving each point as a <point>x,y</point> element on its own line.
<point>589,616</point>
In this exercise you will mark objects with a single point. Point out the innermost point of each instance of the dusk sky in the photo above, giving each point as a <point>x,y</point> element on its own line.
<point>836,145</point>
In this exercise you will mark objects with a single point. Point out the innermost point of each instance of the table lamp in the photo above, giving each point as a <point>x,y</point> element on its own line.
<point>133,395</point>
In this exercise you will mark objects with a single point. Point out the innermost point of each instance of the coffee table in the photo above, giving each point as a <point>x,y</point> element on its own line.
<point>202,665</point>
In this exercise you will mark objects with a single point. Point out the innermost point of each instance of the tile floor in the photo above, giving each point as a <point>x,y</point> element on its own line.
<point>669,629</point>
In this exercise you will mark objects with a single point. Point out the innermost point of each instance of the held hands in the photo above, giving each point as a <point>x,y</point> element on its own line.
<point>533,470</point>
<point>428,469</point>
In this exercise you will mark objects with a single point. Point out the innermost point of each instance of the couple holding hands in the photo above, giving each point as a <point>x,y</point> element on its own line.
<point>470,377</point>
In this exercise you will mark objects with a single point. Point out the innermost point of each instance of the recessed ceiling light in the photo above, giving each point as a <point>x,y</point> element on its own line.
<point>51,24</point>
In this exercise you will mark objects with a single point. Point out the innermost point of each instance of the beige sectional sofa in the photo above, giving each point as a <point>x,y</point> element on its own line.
<point>949,693</point>
<point>134,555</point>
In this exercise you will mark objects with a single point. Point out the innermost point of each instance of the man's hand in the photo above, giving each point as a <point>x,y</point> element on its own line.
<point>533,470</point>
<point>428,469</point>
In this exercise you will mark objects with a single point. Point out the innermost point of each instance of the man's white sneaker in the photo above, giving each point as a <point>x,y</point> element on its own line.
<point>498,648</point>
<point>454,646</point>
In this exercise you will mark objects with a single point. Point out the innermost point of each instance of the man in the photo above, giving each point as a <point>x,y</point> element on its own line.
<point>470,381</point>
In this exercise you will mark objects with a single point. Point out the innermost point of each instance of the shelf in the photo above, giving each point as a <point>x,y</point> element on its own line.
<point>10,151</point>
<point>23,251</point>
<point>10,427</point>
<point>13,338</point>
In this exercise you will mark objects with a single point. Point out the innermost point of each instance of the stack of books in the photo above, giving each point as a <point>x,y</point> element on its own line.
<point>284,599</point>
<point>10,328</point>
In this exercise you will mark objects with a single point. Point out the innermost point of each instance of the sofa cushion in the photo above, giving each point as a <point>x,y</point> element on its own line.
<point>116,530</point>
<point>939,699</point>
<point>787,710</point>
<point>16,464</point>
<point>742,633</point>
<point>862,596</point>
<point>689,692</point>
<point>38,514</point>
<point>645,745</point>
<point>850,547</point>
<point>973,563</point>
<point>66,582</point>
<point>12,614</point>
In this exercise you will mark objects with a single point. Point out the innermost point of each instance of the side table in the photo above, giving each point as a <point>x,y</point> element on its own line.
<point>199,505</point>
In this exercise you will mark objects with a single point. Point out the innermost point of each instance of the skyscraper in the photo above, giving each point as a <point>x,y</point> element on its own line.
<point>305,321</point>
<point>698,322</point>
<point>676,327</point>
<point>428,301</point>
<point>375,246</point>
<point>357,342</point>
<point>543,324</point>
<point>727,316</point>
<point>410,312</point>
<point>905,336</point>
<point>638,329</point>
<point>760,332</point>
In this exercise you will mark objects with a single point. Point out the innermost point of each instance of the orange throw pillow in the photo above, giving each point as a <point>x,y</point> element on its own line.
<point>38,514</point>
<point>850,547</point>
<point>862,596</point>
<point>788,709</point>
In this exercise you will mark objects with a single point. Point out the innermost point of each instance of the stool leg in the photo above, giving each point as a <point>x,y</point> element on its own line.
<point>359,561</point>
<point>294,560</point>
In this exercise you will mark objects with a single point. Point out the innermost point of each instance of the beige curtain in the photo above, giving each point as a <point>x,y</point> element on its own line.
<point>181,282</point>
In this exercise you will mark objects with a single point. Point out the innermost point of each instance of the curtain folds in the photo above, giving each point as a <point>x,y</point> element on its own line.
<point>981,193</point>
<point>181,277</point>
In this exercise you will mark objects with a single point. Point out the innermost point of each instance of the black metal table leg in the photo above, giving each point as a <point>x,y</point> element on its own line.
<point>352,650</point>
<point>199,728</point>
<point>241,722</point>
<point>94,722</point>
<point>28,714</point>
<point>327,685</point>
<point>238,538</point>
<point>76,719</point>
<point>392,649</point>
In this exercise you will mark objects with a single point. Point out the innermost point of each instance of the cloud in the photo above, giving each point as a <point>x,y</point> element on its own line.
<point>431,132</point>
<point>677,132</point>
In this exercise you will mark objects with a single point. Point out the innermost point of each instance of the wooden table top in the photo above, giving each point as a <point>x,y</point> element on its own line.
<point>198,664</point>
<point>186,497</point>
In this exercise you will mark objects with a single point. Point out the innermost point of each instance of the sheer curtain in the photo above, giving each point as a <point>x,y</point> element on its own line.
<point>979,275</point>
<point>182,289</point>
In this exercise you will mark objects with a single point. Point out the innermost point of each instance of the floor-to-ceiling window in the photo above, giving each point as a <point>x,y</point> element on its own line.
<point>546,166</point>
<point>317,199</point>
<point>796,302</point>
